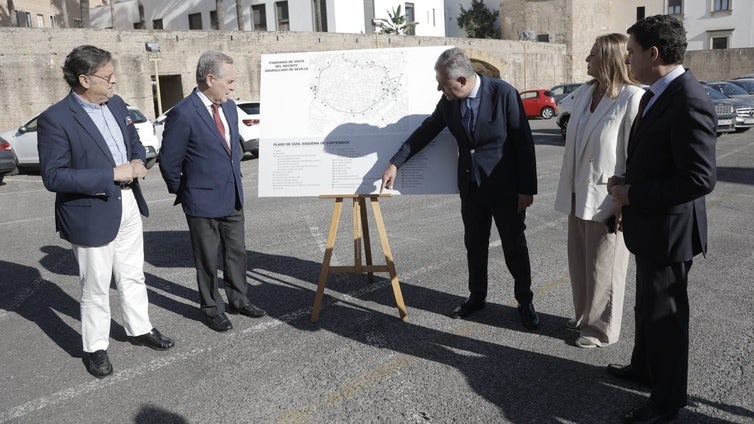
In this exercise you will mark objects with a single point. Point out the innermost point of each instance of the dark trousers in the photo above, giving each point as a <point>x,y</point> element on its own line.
<point>477,216</point>
<point>661,345</point>
<point>209,238</point>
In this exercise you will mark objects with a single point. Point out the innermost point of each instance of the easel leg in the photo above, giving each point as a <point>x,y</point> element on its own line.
<point>357,211</point>
<point>326,261</point>
<point>389,259</point>
<point>367,242</point>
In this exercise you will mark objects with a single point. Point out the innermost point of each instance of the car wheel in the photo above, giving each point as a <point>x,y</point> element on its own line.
<point>547,112</point>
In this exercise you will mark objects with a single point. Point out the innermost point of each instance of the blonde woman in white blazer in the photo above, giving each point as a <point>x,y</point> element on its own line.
<point>595,149</point>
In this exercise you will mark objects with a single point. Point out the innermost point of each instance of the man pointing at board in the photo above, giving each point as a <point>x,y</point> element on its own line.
<point>497,176</point>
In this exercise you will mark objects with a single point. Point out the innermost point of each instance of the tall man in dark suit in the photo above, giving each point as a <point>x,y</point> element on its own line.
<point>497,175</point>
<point>91,157</point>
<point>200,161</point>
<point>670,167</point>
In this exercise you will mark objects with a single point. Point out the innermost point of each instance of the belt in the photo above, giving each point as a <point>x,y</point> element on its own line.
<point>125,186</point>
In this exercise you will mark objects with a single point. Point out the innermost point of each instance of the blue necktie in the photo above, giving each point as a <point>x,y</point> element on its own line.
<point>468,117</point>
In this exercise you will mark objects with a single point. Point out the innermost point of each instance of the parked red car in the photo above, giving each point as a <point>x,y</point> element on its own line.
<point>539,103</point>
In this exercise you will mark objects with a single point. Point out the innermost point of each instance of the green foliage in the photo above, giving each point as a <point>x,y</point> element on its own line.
<point>479,21</point>
<point>396,23</point>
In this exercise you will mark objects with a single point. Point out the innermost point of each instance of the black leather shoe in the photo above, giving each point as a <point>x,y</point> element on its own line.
<point>98,364</point>
<point>648,413</point>
<point>467,308</point>
<point>154,339</point>
<point>627,372</point>
<point>529,317</point>
<point>248,310</point>
<point>219,322</point>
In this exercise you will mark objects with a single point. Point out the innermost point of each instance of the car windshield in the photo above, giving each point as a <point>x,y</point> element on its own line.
<point>730,89</point>
<point>250,108</point>
<point>747,85</point>
<point>714,93</point>
<point>137,116</point>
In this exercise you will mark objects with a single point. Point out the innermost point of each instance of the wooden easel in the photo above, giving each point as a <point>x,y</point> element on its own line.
<point>360,228</point>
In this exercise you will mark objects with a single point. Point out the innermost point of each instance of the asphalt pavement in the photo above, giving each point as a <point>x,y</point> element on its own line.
<point>360,363</point>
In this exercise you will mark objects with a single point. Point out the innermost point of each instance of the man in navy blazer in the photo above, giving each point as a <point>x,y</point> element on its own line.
<point>497,174</point>
<point>670,167</point>
<point>91,157</point>
<point>200,161</point>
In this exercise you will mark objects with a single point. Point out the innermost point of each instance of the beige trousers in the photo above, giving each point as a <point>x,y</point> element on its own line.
<point>122,260</point>
<point>597,262</point>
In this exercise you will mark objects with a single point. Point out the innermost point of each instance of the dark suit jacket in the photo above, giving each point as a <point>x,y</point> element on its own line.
<point>502,146</point>
<point>194,163</point>
<point>76,163</point>
<point>670,167</point>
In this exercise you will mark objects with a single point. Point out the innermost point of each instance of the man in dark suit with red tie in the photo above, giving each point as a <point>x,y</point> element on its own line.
<point>670,167</point>
<point>497,175</point>
<point>200,161</point>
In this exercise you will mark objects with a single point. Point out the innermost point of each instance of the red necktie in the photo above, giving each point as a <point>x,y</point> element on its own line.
<point>219,123</point>
<point>642,106</point>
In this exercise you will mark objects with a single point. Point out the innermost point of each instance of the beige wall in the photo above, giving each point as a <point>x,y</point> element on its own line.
<point>720,64</point>
<point>31,79</point>
<point>46,8</point>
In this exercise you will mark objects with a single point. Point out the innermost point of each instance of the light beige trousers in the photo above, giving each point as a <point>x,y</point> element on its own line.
<point>122,260</point>
<point>597,262</point>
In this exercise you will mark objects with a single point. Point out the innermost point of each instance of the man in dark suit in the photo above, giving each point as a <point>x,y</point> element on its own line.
<point>91,157</point>
<point>200,161</point>
<point>497,176</point>
<point>670,167</point>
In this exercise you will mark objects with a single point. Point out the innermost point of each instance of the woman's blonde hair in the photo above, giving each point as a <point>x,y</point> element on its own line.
<point>612,71</point>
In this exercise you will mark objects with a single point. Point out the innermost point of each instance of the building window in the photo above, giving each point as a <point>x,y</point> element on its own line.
<point>259,17</point>
<point>433,18</point>
<point>157,24</point>
<point>640,13</point>
<point>675,7</point>
<point>52,22</point>
<point>410,17</point>
<point>77,23</point>
<point>719,43</point>
<point>213,24</point>
<point>721,5</point>
<point>195,20</point>
<point>40,21</point>
<point>281,14</point>
<point>24,19</point>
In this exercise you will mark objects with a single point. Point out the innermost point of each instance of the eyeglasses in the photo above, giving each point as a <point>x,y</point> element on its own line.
<point>108,80</point>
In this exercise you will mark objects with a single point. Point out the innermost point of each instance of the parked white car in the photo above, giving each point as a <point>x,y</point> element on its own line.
<point>248,126</point>
<point>23,140</point>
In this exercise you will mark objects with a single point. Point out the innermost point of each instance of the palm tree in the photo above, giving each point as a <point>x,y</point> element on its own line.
<point>85,21</point>
<point>396,23</point>
<point>63,14</point>
<point>12,14</point>
<point>239,14</point>
<point>220,12</point>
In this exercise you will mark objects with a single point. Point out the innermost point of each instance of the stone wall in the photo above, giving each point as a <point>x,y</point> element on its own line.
<point>31,78</point>
<point>720,64</point>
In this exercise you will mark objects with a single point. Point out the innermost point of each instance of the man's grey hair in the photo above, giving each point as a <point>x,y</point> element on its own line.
<point>455,63</point>
<point>211,62</point>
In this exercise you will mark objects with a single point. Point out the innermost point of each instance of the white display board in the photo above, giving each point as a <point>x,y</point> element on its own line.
<point>331,121</point>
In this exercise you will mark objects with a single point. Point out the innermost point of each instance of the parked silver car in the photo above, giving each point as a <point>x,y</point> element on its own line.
<point>24,140</point>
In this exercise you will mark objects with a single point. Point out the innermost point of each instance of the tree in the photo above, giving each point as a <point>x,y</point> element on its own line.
<point>239,14</point>
<point>85,21</point>
<point>479,21</point>
<point>63,14</point>
<point>12,13</point>
<point>396,23</point>
<point>220,12</point>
